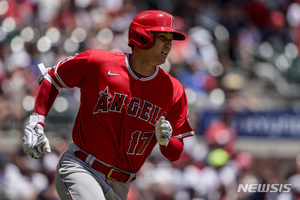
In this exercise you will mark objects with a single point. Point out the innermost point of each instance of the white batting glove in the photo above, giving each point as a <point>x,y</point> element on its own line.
<point>163,131</point>
<point>35,141</point>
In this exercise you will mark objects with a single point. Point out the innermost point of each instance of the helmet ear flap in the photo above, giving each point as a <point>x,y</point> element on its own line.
<point>144,40</point>
<point>141,39</point>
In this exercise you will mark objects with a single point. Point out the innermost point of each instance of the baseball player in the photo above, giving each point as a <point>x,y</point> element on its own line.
<point>127,105</point>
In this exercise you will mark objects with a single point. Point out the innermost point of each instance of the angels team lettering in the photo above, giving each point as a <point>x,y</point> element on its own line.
<point>136,107</point>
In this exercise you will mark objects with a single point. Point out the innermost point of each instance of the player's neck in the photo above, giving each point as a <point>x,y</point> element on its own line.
<point>140,66</point>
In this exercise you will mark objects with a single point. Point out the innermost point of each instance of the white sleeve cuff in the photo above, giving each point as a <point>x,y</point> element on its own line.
<point>35,118</point>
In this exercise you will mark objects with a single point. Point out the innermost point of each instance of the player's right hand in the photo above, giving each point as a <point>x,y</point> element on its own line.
<point>163,131</point>
<point>35,141</point>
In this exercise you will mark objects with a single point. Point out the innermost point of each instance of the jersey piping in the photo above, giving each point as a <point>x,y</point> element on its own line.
<point>184,135</point>
<point>58,78</point>
<point>133,74</point>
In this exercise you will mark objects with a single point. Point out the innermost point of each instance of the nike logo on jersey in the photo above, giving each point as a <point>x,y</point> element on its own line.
<point>111,74</point>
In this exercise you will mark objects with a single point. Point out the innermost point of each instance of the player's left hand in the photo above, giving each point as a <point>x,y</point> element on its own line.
<point>163,131</point>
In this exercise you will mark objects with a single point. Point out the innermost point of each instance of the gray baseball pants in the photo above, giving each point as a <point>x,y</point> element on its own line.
<point>76,180</point>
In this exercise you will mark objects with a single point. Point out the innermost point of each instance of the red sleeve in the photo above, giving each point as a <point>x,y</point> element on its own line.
<point>174,149</point>
<point>67,73</point>
<point>45,98</point>
<point>71,72</point>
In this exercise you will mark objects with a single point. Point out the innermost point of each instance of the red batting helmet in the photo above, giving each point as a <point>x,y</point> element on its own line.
<point>144,23</point>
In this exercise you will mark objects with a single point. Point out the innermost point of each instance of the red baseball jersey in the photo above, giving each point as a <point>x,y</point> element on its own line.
<point>118,110</point>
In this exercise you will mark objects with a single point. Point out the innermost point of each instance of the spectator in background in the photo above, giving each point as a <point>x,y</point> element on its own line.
<point>294,180</point>
<point>293,22</point>
<point>201,55</point>
<point>277,33</point>
<point>14,184</point>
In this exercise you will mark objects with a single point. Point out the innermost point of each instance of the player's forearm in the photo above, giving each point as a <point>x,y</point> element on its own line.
<point>45,98</point>
<point>173,151</point>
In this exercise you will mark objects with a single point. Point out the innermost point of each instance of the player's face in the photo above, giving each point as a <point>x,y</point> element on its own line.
<point>162,47</point>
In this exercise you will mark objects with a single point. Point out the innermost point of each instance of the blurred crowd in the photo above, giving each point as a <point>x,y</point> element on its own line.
<point>238,55</point>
